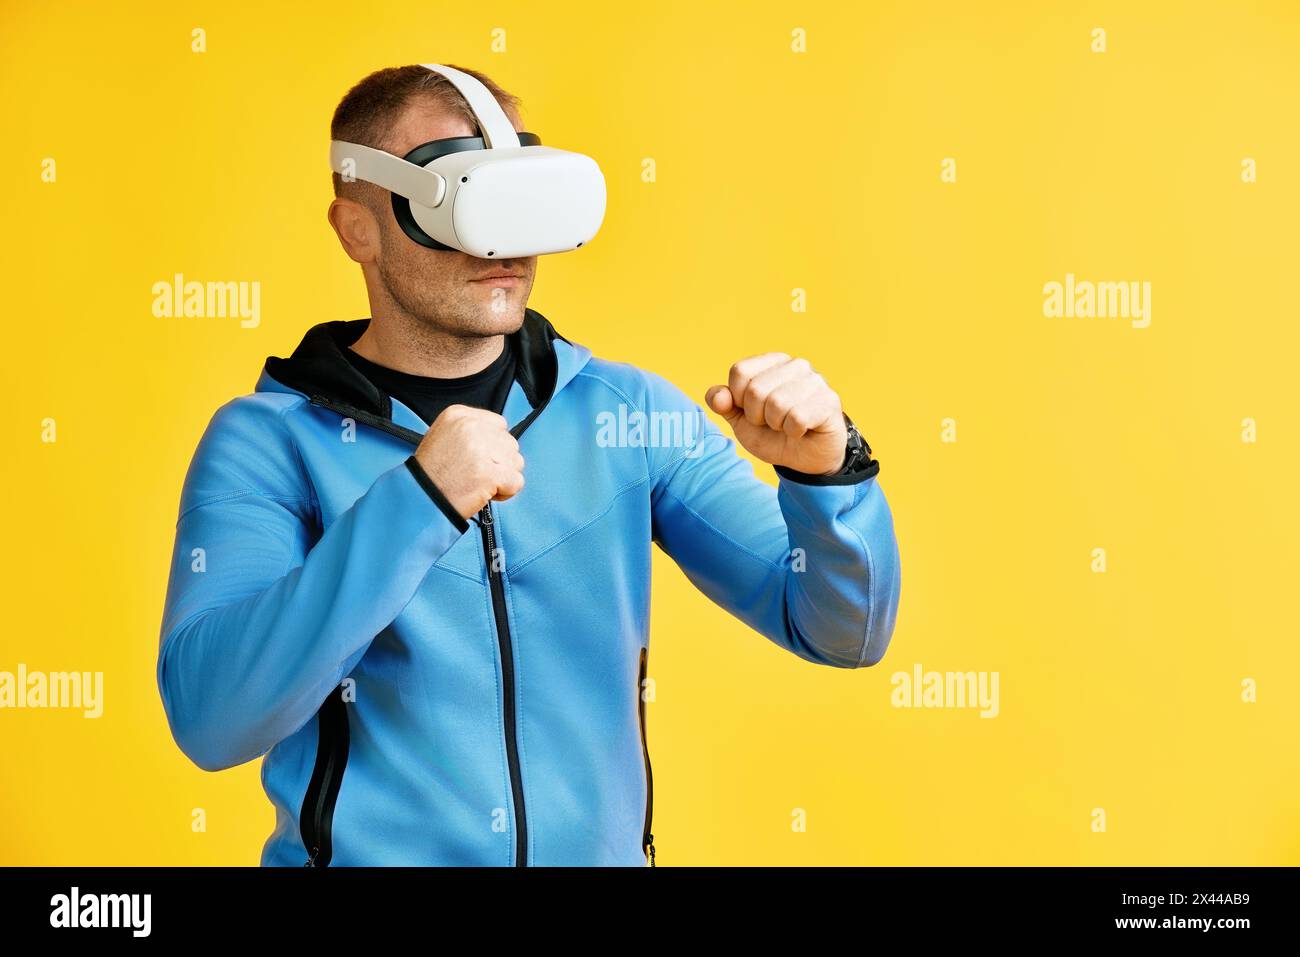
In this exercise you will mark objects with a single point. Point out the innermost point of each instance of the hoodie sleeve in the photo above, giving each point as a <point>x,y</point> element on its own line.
<point>812,565</point>
<point>265,615</point>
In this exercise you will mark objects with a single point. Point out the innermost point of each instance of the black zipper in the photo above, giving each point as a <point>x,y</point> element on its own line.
<point>647,838</point>
<point>325,795</point>
<point>317,814</point>
<point>497,587</point>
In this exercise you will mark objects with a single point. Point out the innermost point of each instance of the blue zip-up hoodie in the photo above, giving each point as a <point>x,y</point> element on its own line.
<point>427,690</point>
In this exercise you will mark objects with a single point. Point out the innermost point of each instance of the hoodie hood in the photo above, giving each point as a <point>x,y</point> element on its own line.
<point>320,370</point>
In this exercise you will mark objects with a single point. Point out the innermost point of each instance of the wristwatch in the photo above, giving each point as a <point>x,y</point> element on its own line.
<point>857,455</point>
<point>858,464</point>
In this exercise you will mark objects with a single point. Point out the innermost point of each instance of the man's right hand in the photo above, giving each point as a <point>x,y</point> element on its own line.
<point>472,458</point>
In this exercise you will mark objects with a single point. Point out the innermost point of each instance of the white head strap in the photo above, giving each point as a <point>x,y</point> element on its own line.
<point>498,131</point>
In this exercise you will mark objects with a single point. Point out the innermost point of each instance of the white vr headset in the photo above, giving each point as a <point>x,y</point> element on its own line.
<point>496,196</point>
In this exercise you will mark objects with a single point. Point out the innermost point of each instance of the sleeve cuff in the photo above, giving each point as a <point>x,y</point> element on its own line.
<point>435,494</point>
<point>868,470</point>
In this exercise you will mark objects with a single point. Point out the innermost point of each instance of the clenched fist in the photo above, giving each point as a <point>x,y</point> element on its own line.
<point>784,413</point>
<point>472,458</point>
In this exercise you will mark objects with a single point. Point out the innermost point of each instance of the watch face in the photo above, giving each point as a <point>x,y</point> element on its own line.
<point>858,454</point>
<point>856,441</point>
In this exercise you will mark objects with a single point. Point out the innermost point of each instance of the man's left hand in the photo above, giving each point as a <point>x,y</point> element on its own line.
<point>784,413</point>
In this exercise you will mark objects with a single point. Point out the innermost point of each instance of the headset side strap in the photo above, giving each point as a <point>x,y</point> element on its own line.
<point>393,173</point>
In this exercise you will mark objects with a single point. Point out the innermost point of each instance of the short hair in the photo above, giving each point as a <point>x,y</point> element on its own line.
<point>368,111</point>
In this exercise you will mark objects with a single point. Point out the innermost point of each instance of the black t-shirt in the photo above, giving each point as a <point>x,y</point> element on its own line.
<point>427,396</point>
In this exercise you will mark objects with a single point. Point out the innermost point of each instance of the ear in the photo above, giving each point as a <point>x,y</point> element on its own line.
<point>357,229</point>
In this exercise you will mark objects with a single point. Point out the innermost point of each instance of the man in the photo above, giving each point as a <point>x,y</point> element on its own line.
<point>412,569</point>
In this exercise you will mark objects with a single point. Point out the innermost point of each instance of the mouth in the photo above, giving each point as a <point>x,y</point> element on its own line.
<point>499,277</point>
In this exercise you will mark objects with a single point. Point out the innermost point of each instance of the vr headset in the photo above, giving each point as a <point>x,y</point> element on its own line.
<point>499,195</point>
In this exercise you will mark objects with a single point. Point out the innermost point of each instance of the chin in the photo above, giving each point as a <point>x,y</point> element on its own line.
<point>496,322</point>
<point>506,321</point>
<point>503,324</point>
<point>472,319</point>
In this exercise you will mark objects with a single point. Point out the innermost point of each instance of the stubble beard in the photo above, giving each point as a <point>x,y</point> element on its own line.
<point>460,309</point>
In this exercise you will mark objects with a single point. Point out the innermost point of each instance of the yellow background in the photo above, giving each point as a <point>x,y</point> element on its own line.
<point>776,171</point>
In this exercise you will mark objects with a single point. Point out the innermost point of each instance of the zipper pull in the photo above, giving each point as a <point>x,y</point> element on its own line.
<point>311,859</point>
<point>485,515</point>
<point>651,844</point>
